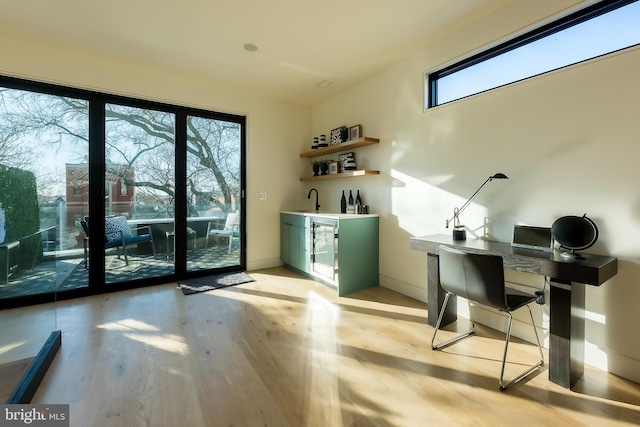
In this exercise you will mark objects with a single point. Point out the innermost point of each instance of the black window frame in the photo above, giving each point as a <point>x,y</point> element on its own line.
<point>546,30</point>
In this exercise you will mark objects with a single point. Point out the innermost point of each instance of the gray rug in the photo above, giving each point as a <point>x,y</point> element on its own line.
<point>203,284</point>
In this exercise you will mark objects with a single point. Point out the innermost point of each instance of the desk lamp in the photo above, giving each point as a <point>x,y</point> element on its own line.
<point>459,232</point>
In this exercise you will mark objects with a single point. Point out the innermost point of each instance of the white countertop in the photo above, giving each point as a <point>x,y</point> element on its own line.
<point>330,215</point>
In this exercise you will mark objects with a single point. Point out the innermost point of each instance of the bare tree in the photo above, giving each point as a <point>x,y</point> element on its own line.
<point>139,145</point>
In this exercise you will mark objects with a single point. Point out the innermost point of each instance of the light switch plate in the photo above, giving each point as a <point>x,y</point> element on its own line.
<point>262,195</point>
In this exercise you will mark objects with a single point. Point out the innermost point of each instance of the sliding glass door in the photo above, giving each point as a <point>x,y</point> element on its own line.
<point>98,191</point>
<point>44,188</point>
<point>214,188</point>
<point>140,187</point>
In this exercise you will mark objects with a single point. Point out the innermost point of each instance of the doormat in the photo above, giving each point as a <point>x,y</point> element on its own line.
<point>208,283</point>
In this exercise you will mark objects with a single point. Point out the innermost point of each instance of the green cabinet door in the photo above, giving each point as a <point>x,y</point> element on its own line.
<point>294,246</point>
<point>294,241</point>
<point>358,254</point>
<point>285,230</point>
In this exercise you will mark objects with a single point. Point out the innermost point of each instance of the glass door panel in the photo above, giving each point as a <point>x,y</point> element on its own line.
<point>213,193</point>
<point>324,250</point>
<point>139,193</point>
<point>42,139</point>
<point>43,192</point>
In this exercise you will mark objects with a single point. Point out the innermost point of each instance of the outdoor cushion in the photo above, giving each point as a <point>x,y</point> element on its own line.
<point>113,226</point>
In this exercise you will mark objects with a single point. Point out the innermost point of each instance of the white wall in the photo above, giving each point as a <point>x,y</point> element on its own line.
<point>274,129</point>
<point>567,140</point>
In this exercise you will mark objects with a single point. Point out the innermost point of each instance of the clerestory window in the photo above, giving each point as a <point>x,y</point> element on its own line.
<point>605,27</point>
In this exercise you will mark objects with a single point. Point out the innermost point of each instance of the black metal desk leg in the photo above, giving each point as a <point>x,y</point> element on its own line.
<point>566,332</point>
<point>435,295</point>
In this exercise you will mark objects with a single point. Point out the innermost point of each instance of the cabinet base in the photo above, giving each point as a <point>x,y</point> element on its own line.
<point>327,283</point>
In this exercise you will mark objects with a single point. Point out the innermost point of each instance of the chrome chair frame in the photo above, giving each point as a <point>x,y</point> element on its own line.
<point>522,299</point>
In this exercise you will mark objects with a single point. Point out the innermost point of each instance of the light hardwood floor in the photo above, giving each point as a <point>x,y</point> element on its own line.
<point>285,351</point>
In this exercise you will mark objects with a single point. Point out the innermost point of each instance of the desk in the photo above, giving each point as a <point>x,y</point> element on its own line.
<point>567,293</point>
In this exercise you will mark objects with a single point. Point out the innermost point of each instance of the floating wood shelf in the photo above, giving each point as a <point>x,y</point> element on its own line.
<point>344,146</point>
<point>340,175</point>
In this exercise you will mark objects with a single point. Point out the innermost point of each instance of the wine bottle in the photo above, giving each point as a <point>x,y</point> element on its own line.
<point>343,203</point>
<point>358,203</point>
<point>350,206</point>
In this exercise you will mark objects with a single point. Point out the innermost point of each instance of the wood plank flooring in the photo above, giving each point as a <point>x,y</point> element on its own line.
<point>286,351</point>
<point>10,374</point>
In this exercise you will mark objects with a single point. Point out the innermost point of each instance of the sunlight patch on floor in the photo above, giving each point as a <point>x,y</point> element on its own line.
<point>128,325</point>
<point>171,343</point>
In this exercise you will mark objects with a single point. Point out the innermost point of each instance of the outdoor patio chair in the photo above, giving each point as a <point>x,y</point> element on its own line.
<point>118,234</point>
<point>230,230</point>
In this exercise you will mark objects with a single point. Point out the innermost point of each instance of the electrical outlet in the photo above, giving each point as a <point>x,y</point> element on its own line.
<point>262,195</point>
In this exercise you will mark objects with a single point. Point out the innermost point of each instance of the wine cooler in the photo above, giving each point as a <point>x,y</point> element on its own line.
<point>324,251</point>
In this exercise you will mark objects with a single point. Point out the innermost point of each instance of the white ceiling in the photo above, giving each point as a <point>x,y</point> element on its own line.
<point>300,42</point>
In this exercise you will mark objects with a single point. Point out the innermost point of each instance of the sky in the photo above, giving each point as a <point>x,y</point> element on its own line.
<point>607,33</point>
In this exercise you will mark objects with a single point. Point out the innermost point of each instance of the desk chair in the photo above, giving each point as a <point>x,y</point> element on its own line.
<point>480,278</point>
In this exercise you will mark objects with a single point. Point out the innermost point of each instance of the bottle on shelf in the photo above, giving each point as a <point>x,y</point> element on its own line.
<point>343,203</point>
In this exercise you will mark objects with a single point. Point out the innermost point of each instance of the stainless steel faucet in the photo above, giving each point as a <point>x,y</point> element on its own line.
<point>317,202</point>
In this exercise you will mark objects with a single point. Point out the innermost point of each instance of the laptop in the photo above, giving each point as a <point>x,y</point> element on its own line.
<point>528,237</point>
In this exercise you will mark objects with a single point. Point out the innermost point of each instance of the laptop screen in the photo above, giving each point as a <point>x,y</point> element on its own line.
<point>528,237</point>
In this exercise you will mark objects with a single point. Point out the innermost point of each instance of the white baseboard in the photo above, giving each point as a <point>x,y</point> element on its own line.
<point>263,263</point>
<point>612,362</point>
<point>415,292</point>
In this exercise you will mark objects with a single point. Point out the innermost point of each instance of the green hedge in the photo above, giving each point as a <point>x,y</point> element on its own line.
<point>19,199</point>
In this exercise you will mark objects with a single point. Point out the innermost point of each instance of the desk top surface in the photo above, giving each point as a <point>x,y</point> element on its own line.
<point>593,270</point>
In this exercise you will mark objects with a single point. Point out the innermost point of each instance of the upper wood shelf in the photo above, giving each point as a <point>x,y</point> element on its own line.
<point>360,142</point>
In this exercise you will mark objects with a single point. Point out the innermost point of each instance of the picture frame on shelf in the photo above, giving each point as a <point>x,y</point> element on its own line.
<point>333,167</point>
<point>339,135</point>
<point>335,137</point>
<point>355,132</point>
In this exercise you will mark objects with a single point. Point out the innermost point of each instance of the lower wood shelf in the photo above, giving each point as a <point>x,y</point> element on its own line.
<point>340,175</point>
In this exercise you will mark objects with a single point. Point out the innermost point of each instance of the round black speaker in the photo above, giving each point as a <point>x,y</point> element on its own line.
<point>574,233</point>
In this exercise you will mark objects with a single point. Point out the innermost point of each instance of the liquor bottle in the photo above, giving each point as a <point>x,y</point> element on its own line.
<point>358,203</point>
<point>343,203</point>
<point>351,209</point>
